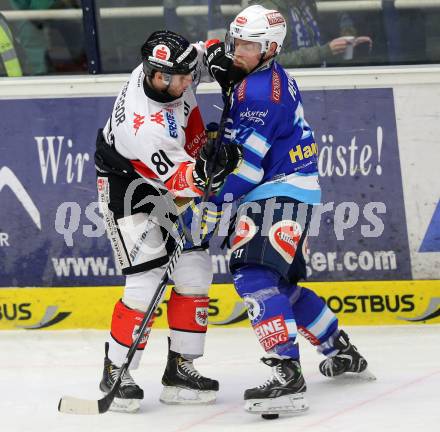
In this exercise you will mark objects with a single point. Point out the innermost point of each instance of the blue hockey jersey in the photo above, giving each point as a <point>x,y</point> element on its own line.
<point>280,153</point>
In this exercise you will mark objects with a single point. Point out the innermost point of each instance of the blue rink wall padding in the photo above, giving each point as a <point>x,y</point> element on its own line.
<point>51,233</point>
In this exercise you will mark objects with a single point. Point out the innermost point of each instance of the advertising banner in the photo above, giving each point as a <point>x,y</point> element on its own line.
<point>51,233</point>
<point>354,303</point>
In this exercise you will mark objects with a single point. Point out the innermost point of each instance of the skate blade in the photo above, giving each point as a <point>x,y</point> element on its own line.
<point>365,375</point>
<point>179,395</point>
<point>125,405</point>
<point>288,404</point>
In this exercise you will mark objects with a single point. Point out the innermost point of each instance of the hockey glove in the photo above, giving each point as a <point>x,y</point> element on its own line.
<point>228,160</point>
<point>221,67</point>
<point>212,130</point>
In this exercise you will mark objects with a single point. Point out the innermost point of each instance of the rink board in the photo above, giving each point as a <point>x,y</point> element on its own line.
<point>377,131</point>
<point>355,303</point>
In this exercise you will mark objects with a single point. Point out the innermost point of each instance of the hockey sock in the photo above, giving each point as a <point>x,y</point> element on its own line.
<point>188,322</point>
<point>315,320</point>
<point>270,312</point>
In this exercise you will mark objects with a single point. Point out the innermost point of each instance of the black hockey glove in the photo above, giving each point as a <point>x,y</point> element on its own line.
<point>212,130</point>
<point>221,67</point>
<point>228,160</point>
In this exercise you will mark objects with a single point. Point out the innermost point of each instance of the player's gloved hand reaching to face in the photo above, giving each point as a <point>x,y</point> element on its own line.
<point>220,65</point>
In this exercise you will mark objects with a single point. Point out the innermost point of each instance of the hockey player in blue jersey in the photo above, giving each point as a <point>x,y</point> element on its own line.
<point>277,186</point>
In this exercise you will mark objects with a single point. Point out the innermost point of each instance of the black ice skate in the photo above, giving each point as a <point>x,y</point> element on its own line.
<point>347,359</point>
<point>283,393</point>
<point>129,394</point>
<point>183,384</point>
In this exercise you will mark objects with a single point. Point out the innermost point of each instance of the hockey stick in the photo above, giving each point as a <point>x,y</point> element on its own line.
<point>72,405</point>
<point>218,141</point>
<point>213,160</point>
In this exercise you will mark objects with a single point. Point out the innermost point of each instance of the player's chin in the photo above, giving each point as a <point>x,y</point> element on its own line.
<point>176,94</point>
<point>241,65</point>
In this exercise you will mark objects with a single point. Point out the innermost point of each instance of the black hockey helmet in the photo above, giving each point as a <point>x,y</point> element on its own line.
<point>168,52</point>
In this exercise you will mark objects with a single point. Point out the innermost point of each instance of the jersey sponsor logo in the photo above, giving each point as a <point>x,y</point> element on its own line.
<point>241,91</point>
<point>195,143</point>
<point>241,20</point>
<point>303,152</point>
<point>254,116</point>
<point>284,236</point>
<point>161,52</point>
<point>244,232</point>
<point>195,135</point>
<point>201,315</point>
<point>275,18</point>
<point>138,121</point>
<point>158,118</point>
<point>172,125</point>
<point>276,87</point>
<point>272,332</point>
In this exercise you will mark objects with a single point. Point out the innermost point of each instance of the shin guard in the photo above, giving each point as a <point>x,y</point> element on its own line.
<point>188,322</point>
<point>124,330</point>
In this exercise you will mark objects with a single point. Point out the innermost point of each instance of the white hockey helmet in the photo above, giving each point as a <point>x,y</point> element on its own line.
<point>258,24</point>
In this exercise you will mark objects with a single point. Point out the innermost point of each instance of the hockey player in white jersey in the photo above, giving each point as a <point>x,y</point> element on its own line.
<point>155,139</point>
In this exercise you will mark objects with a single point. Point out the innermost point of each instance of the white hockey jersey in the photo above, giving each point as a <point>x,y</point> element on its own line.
<point>161,140</point>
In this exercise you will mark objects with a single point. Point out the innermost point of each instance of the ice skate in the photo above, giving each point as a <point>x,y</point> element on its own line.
<point>183,384</point>
<point>129,394</point>
<point>347,359</point>
<point>283,393</point>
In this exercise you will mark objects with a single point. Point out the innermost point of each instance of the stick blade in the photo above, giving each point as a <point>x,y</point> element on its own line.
<point>72,405</point>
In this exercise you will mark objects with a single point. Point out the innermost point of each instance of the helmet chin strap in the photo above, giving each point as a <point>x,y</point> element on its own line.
<point>156,94</point>
<point>261,61</point>
<point>167,81</point>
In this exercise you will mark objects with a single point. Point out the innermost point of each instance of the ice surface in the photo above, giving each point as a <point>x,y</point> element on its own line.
<point>38,367</point>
